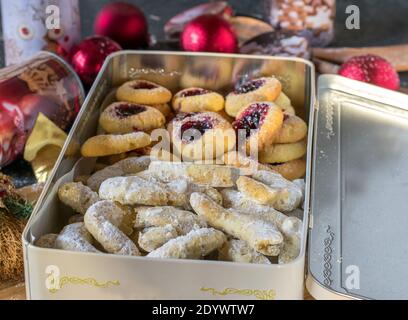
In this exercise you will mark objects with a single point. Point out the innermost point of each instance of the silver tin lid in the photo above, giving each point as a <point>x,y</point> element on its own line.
<point>358,245</point>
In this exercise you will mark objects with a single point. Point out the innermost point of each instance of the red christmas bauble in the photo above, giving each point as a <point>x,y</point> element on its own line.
<point>123,22</point>
<point>209,33</point>
<point>88,57</point>
<point>371,69</point>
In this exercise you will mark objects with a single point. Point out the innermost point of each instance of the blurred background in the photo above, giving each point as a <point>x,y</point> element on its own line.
<point>382,22</point>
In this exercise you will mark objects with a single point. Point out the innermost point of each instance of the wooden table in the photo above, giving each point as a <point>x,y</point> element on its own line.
<point>13,291</point>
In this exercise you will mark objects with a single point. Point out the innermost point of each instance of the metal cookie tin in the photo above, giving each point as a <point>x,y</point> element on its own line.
<point>57,274</point>
<point>359,186</point>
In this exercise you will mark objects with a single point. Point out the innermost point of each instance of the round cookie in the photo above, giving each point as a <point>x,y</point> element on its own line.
<point>197,100</point>
<point>125,117</point>
<point>293,130</point>
<point>260,122</point>
<point>106,145</point>
<point>165,109</point>
<point>143,92</point>
<point>283,152</point>
<point>290,170</point>
<point>256,90</point>
<point>201,136</point>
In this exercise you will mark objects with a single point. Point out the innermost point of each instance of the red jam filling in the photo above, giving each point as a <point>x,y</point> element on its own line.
<point>201,126</point>
<point>143,85</point>
<point>252,118</point>
<point>193,92</point>
<point>128,110</point>
<point>249,86</point>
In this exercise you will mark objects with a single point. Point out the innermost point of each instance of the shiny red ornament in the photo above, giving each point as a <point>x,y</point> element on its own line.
<point>124,23</point>
<point>88,57</point>
<point>371,69</point>
<point>209,33</point>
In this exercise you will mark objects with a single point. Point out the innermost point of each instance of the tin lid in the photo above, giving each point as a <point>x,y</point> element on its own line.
<point>358,244</point>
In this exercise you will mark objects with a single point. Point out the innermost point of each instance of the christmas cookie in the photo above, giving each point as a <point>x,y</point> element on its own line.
<point>260,235</point>
<point>125,117</point>
<point>102,220</point>
<point>105,145</point>
<point>143,92</point>
<point>258,124</point>
<point>197,100</point>
<point>283,152</point>
<point>194,245</point>
<point>201,136</point>
<point>290,170</point>
<point>256,90</point>
<point>293,130</point>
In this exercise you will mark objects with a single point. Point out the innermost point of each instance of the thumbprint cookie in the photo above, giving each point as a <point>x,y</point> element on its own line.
<point>197,100</point>
<point>258,124</point>
<point>256,90</point>
<point>125,117</point>
<point>293,130</point>
<point>201,136</point>
<point>143,92</point>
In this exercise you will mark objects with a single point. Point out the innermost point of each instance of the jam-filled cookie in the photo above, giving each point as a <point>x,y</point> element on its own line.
<point>283,152</point>
<point>109,144</point>
<point>256,90</point>
<point>201,136</point>
<point>197,100</point>
<point>290,170</point>
<point>258,124</point>
<point>125,117</point>
<point>293,130</point>
<point>143,92</point>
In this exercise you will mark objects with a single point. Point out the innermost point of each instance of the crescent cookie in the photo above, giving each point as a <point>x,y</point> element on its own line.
<point>290,195</point>
<point>179,191</point>
<point>258,125</point>
<point>106,145</point>
<point>103,220</point>
<point>194,245</point>
<point>257,191</point>
<point>197,100</point>
<point>292,230</point>
<point>260,234</point>
<point>131,165</point>
<point>283,152</point>
<point>240,251</point>
<point>290,170</point>
<point>47,241</point>
<point>154,237</point>
<point>75,237</point>
<point>286,225</point>
<point>125,117</point>
<point>77,196</point>
<point>143,92</point>
<point>256,90</point>
<point>201,174</point>
<point>293,130</point>
<point>183,221</point>
<point>133,190</point>
<point>201,136</point>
